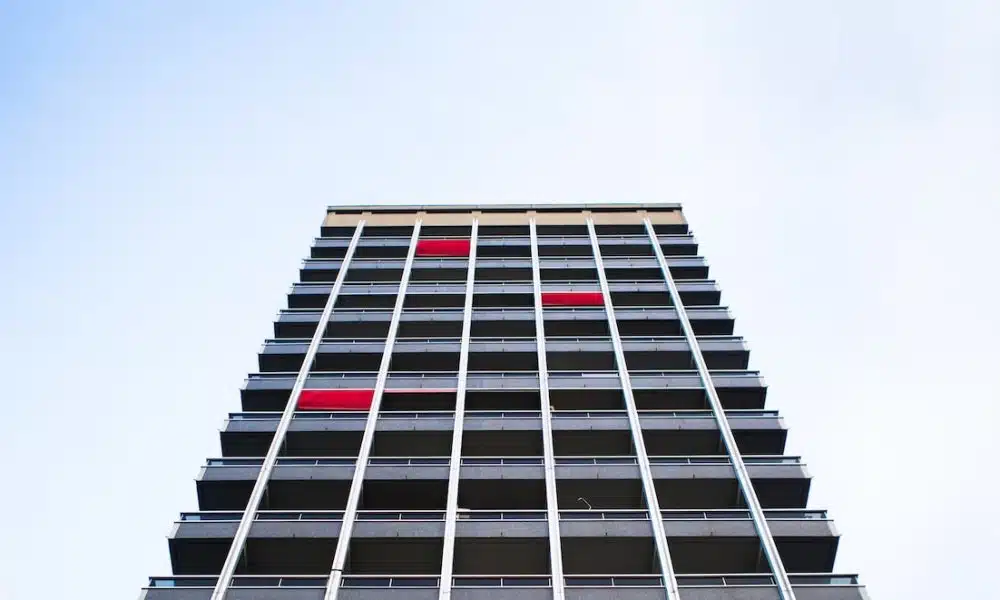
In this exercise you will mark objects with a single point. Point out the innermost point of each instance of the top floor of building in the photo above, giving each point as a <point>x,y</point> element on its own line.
<point>667,217</point>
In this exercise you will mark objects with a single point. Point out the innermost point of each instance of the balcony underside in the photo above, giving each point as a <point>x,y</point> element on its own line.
<point>502,547</point>
<point>521,392</point>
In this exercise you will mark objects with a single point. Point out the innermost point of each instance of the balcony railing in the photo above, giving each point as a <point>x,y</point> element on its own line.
<point>302,343</point>
<point>347,415</point>
<point>693,311</point>
<point>503,460</point>
<point>329,462</point>
<point>510,515</point>
<point>319,288</point>
<point>493,581</point>
<point>748,374</point>
<point>523,237</point>
<point>316,515</point>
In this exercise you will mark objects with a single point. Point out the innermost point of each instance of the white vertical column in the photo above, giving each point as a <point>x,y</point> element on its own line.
<point>551,499</point>
<point>455,466</point>
<point>259,487</point>
<point>742,475</point>
<point>652,502</point>
<point>354,497</point>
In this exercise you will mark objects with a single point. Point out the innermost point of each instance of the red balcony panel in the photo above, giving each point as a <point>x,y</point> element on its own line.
<point>336,399</point>
<point>443,247</point>
<point>572,299</point>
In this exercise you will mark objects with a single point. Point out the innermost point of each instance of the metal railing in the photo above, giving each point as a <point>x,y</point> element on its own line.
<point>499,262</point>
<point>243,581</point>
<point>344,415</point>
<point>604,515</point>
<point>509,515</point>
<point>501,515</point>
<point>320,287</point>
<point>503,460</point>
<point>724,460</point>
<point>315,462</point>
<point>744,580</point>
<point>409,462</point>
<point>653,581</point>
<point>377,581</point>
<point>349,415</point>
<point>511,309</point>
<point>425,415</point>
<point>519,237</point>
<point>506,581</point>
<point>518,461</point>
<point>444,340</point>
<point>743,515</point>
<point>493,581</point>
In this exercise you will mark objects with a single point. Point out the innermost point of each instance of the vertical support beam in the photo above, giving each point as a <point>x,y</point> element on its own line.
<point>455,466</point>
<point>551,499</point>
<point>354,496</point>
<point>742,475</point>
<point>652,502</point>
<point>260,486</point>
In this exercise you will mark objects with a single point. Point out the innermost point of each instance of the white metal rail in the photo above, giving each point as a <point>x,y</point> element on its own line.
<point>455,466</point>
<point>260,486</point>
<point>652,502</point>
<point>354,497</point>
<point>551,498</point>
<point>742,475</point>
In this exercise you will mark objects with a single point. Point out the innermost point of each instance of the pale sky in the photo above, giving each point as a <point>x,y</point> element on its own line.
<point>164,166</point>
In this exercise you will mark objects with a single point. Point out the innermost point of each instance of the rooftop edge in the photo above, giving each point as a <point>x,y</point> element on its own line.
<point>495,208</point>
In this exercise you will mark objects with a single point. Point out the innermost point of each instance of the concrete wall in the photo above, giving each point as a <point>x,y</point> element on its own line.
<point>622,593</point>
<point>730,593</point>
<point>517,593</point>
<point>380,594</point>
<point>178,594</point>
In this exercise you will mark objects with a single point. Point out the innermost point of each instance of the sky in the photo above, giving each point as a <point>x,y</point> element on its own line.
<point>164,166</point>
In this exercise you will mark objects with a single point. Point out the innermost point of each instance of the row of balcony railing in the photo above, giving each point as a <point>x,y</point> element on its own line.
<point>501,374</point>
<point>712,308</point>
<point>548,262</point>
<point>501,414</point>
<point>488,581</point>
<point>478,461</point>
<point>622,261</point>
<point>277,345</point>
<point>509,515</point>
<point>658,284</point>
<point>522,238</point>
<point>502,340</point>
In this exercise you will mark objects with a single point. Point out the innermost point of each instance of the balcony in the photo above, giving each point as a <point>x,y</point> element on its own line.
<point>652,389</point>
<point>494,322</point>
<point>709,482</point>
<point>580,245</point>
<point>592,587</point>
<point>665,432</point>
<point>502,269</point>
<point>312,432</point>
<point>502,483</point>
<point>667,390</point>
<point>323,483</point>
<point>371,237</point>
<point>652,293</point>
<point>807,540</point>
<point>681,482</point>
<point>713,587</point>
<point>506,354</point>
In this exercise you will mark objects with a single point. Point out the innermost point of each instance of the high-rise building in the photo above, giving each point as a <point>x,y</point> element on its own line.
<point>504,402</point>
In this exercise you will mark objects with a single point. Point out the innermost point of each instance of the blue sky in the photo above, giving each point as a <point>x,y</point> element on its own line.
<point>164,165</point>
